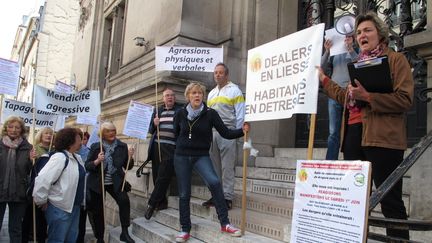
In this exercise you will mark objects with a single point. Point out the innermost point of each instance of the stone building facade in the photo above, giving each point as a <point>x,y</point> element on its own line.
<point>45,48</point>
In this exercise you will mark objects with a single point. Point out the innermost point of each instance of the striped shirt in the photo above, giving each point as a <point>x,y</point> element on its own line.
<point>166,128</point>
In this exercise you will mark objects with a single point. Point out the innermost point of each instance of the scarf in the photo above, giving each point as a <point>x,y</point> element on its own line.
<point>109,150</point>
<point>9,183</point>
<point>352,105</point>
<point>192,114</point>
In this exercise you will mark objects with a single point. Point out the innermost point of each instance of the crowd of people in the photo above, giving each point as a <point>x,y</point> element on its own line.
<point>198,136</point>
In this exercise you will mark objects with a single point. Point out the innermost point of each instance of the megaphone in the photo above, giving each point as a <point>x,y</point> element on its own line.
<point>345,24</point>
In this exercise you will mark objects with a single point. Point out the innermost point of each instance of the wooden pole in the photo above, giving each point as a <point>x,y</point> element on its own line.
<point>243,209</point>
<point>102,173</point>
<point>34,162</point>
<point>52,136</point>
<point>311,136</point>
<point>127,168</point>
<point>157,115</point>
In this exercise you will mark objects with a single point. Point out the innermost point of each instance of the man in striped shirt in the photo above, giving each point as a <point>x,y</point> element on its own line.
<point>162,165</point>
<point>228,100</point>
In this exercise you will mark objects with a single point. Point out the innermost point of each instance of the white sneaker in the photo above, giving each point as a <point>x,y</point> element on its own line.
<point>229,229</point>
<point>182,237</point>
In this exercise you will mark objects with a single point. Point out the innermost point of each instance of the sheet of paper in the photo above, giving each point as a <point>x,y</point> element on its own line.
<point>338,41</point>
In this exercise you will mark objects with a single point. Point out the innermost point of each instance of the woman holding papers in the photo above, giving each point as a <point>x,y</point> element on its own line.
<point>15,163</point>
<point>193,129</point>
<point>114,159</point>
<point>376,131</point>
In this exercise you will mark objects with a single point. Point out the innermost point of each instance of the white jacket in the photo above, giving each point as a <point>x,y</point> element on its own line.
<point>62,193</point>
<point>229,102</point>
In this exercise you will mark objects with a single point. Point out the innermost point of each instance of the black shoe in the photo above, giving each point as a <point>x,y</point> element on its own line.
<point>100,241</point>
<point>208,203</point>
<point>124,236</point>
<point>229,204</point>
<point>149,212</point>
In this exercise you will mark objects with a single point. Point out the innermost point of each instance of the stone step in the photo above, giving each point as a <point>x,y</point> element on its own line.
<point>207,230</point>
<point>276,162</point>
<point>268,219</point>
<point>152,231</point>
<point>114,236</point>
<point>271,174</point>
<point>265,187</point>
<point>282,207</point>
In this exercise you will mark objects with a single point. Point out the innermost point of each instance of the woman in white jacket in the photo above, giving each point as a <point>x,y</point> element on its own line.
<point>60,187</point>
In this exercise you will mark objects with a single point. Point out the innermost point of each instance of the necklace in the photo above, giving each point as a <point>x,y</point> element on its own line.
<point>190,127</point>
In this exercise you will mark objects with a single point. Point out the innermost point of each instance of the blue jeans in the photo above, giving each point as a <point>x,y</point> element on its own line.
<point>203,166</point>
<point>62,226</point>
<point>335,119</point>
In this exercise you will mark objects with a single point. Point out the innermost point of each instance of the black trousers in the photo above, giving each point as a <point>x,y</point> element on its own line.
<point>164,175</point>
<point>27,225</point>
<point>95,209</point>
<point>384,162</point>
<point>82,225</point>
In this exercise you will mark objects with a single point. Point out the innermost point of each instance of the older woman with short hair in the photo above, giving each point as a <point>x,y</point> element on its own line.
<point>114,157</point>
<point>15,165</point>
<point>59,187</point>
<point>193,128</point>
<point>376,128</point>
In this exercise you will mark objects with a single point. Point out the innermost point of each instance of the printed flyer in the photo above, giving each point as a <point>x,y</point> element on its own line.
<point>331,201</point>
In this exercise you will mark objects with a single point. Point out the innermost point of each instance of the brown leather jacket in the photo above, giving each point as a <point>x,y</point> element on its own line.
<point>383,119</point>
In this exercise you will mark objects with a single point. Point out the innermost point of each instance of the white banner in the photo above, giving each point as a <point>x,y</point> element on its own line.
<point>9,77</point>
<point>25,111</point>
<point>63,87</point>
<point>87,120</point>
<point>181,58</point>
<point>83,103</point>
<point>282,79</point>
<point>331,201</point>
<point>138,120</point>
<point>94,136</point>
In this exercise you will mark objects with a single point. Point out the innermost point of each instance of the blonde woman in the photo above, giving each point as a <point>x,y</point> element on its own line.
<point>193,127</point>
<point>15,163</point>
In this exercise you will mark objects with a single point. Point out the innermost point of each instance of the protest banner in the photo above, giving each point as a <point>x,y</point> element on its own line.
<point>86,120</point>
<point>282,79</point>
<point>9,77</point>
<point>138,120</point>
<point>94,136</point>
<point>63,87</point>
<point>25,112</point>
<point>331,201</point>
<point>86,102</point>
<point>181,58</point>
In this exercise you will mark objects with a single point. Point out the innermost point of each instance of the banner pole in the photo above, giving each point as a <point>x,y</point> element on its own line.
<point>157,115</point>
<point>126,170</point>
<point>52,136</point>
<point>34,162</point>
<point>243,209</point>
<point>102,171</point>
<point>311,137</point>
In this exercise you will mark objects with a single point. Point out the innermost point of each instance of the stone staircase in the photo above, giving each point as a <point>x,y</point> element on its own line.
<point>270,191</point>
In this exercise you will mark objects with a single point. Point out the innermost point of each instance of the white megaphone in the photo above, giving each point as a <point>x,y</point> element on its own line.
<point>345,24</point>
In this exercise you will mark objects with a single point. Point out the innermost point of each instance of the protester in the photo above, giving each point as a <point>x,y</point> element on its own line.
<point>59,187</point>
<point>42,145</point>
<point>83,152</point>
<point>193,128</point>
<point>336,68</point>
<point>114,157</point>
<point>15,164</point>
<point>162,170</point>
<point>227,99</point>
<point>376,131</point>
